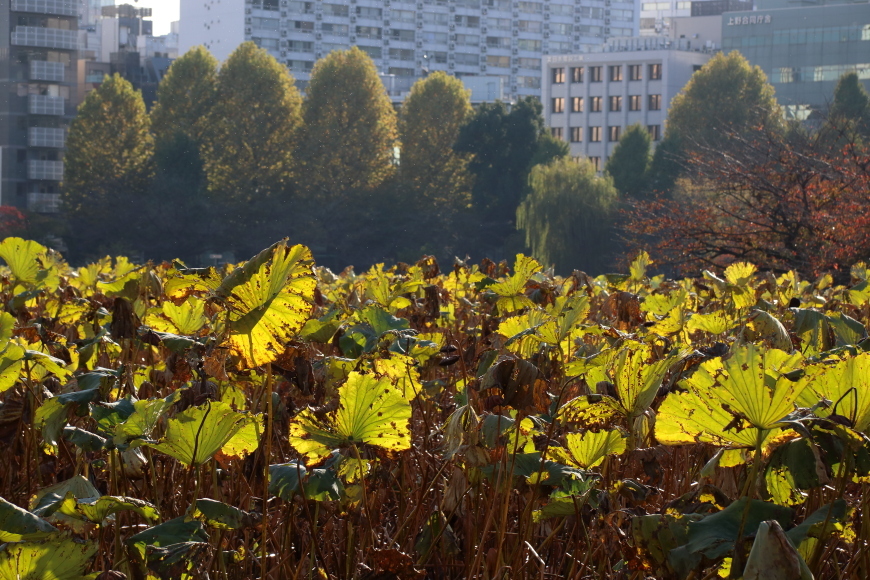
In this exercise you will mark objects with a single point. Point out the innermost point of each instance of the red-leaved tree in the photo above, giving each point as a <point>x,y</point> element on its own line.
<point>783,201</point>
<point>12,221</point>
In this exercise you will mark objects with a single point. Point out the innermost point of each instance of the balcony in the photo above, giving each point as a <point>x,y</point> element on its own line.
<point>42,70</point>
<point>46,137</point>
<point>55,7</point>
<point>45,37</point>
<point>45,105</point>
<point>50,170</point>
<point>43,202</point>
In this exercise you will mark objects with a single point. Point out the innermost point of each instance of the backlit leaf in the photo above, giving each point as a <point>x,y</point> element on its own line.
<point>196,434</point>
<point>588,449</point>
<point>49,559</point>
<point>269,300</point>
<point>370,411</point>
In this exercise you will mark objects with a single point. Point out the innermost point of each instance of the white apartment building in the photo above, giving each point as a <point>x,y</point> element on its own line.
<point>493,38</point>
<point>590,99</point>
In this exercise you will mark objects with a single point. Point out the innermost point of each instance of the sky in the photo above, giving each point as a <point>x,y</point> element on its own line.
<point>165,11</point>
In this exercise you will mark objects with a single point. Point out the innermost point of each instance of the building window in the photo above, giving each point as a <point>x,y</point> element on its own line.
<point>577,74</point>
<point>615,103</point>
<point>655,132</point>
<point>655,103</point>
<point>576,104</point>
<point>616,73</point>
<point>613,133</point>
<point>576,134</point>
<point>595,74</point>
<point>655,72</point>
<point>596,163</point>
<point>596,104</point>
<point>595,134</point>
<point>558,105</point>
<point>634,72</point>
<point>556,132</point>
<point>634,102</point>
<point>558,76</point>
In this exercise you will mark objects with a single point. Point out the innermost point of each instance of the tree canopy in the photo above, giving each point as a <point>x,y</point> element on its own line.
<point>567,215</point>
<point>106,168</point>
<point>851,104</point>
<point>350,126</point>
<point>431,118</point>
<point>186,96</point>
<point>628,165</point>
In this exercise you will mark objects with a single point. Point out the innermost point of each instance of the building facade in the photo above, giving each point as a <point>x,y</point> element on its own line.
<point>657,16</point>
<point>590,99</point>
<point>803,51</point>
<point>38,52</point>
<point>495,38</point>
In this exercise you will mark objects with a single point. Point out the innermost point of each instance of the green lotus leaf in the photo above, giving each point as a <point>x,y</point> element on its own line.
<point>49,559</point>
<point>510,290</point>
<point>369,411</point>
<point>714,536</point>
<point>637,376</point>
<point>174,531</point>
<point>187,318</point>
<point>585,450</point>
<point>717,322</point>
<point>269,300</point>
<point>17,524</point>
<point>11,363</point>
<point>196,434</point>
<point>143,420</point>
<point>220,515</point>
<point>7,325</point>
<point>181,561</point>
<point>729,401</point>
<point>80,487</point>
<point>847,386</point>
<point>28,262</point>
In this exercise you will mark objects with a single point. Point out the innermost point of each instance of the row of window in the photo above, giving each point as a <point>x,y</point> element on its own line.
<point>614,132</point>
<point>801,36</point>
<point>635,73</point>
<point>654,103</point>
<point>828,72</point>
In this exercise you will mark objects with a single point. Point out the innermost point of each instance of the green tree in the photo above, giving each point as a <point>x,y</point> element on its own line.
<point>629,163</point>
<point>851,104</point>
<point>186,96</point>
<point>567,216</point>
<point>726,97</point>
<point>505,144</point>
<point>107,166</point>
<point>249,141</point>
<point>431,117</point>
<point>350,127</point>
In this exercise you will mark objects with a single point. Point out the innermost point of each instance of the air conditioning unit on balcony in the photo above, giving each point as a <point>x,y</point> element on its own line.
<point>318,36</point>
<point>248,30</point>
<point>419,45</point>
<point>607,21</point>
<point>247,10</point>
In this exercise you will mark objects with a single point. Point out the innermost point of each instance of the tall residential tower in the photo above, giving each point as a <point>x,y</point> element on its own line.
<point>406,39</point>
<point>38,47</point>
